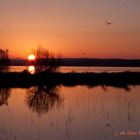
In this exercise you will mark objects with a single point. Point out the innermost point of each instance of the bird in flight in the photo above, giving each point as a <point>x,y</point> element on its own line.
<point>108,23</point>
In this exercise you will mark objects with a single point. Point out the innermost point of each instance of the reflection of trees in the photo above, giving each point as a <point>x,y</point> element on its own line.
<point>4,95</point>
<point>42,98</point>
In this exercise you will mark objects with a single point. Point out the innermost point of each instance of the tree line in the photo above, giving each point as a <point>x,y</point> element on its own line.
<point>45,61</point>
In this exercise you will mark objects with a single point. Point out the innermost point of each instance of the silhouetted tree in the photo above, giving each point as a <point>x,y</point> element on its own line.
<point>42,98</point>
<point>4,60</point>
<point>46,61</point>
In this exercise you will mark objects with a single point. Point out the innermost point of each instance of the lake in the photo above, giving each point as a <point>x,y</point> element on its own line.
<point>82,69</point>
<point>69,113</point>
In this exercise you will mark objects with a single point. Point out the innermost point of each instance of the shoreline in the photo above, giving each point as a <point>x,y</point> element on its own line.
<point>91,79</point>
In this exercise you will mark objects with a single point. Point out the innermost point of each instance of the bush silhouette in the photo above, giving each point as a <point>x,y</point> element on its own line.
<point>4,60</point>
<point>46,61</point>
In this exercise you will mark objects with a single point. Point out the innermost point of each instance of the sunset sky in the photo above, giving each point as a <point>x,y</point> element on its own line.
<point>75,28</point>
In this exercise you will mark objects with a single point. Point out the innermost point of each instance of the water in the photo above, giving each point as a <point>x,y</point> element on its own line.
<point>74,113</point>
<point>83,69</point>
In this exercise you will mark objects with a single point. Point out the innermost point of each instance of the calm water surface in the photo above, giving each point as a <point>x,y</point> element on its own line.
<point>74,113</point>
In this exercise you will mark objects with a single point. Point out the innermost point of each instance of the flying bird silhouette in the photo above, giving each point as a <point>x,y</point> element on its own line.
<point>84,53</point>
<point>108,23</point>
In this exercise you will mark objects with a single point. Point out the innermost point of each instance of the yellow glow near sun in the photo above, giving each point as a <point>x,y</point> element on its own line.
<point>31,57</point>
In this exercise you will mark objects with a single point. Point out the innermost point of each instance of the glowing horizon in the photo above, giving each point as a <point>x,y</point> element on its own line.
<point>75,28</point>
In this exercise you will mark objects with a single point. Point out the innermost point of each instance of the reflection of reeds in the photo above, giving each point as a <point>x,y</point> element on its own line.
<point>41,99</point>
<point>130,110</point>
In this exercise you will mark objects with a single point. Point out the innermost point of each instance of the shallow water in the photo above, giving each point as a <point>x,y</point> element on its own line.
<point>75,113</point>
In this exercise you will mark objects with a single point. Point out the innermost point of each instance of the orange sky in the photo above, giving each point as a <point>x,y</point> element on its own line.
<point>74,28</point>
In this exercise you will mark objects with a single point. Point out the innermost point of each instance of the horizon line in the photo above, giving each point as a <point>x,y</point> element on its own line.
<point>107,58</point>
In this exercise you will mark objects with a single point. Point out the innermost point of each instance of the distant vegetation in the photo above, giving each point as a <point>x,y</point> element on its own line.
<point>87,62</point>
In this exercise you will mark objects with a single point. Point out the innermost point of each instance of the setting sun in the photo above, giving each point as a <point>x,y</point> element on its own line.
<point>31,57</point>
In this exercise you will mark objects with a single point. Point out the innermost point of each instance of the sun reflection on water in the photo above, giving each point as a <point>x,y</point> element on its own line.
<point>31,69</point>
